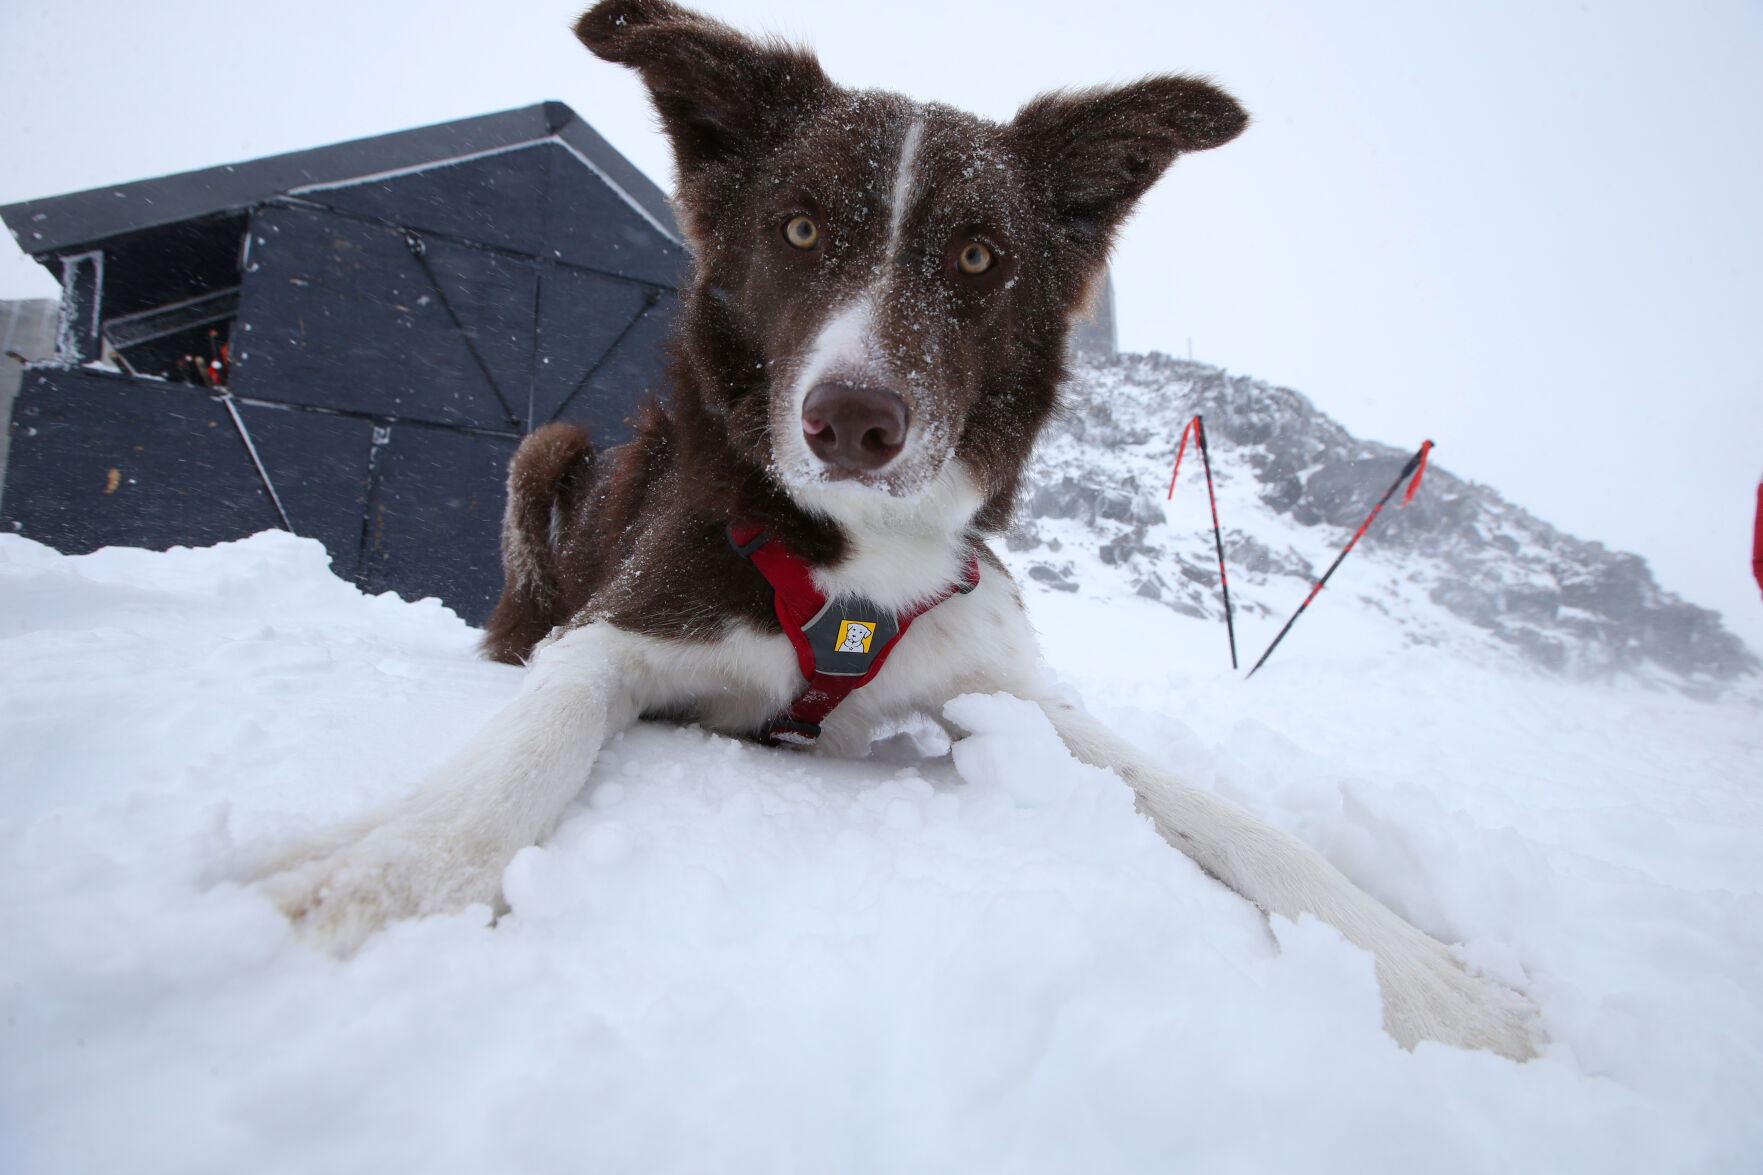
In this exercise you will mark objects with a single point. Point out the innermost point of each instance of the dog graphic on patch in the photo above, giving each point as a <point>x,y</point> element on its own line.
<point>854,636</point>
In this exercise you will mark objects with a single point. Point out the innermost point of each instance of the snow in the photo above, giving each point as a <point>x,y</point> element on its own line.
<point>730,958</point>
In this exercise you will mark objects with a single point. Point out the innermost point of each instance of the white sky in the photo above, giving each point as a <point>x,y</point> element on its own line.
<point>1528,229</point>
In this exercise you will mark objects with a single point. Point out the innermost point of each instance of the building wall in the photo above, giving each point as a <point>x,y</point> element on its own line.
<point>1093,335</point>
<point>27,335</point>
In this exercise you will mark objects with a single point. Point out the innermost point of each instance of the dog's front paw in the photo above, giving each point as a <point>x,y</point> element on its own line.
<point>403,867</point>
<point>1427,995</point>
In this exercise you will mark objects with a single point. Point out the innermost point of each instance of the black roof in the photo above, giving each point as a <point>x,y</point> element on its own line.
<point>60,224</point>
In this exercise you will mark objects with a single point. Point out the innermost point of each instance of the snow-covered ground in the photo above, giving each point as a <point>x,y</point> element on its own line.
<point>733,959</point>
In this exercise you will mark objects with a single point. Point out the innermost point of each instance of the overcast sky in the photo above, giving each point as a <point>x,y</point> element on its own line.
<point>1527,229</point>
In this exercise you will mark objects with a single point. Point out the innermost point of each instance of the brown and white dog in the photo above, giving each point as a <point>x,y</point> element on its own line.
<point>872,338</point>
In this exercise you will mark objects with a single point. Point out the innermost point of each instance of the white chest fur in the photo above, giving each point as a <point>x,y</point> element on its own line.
<point>977,641</point>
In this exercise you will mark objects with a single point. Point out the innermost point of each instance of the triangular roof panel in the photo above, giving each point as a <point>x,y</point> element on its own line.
<point>61,224</point>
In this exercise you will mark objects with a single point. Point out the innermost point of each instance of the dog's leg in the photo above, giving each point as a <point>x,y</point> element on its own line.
<point>1427,995</point>
<point>445,846</point>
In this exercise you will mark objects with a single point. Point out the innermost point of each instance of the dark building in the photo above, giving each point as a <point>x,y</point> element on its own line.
<point>346,343</point>
<point>27,335</point>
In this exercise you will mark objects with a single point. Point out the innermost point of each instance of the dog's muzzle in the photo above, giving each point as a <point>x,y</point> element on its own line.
<point>854,429</point>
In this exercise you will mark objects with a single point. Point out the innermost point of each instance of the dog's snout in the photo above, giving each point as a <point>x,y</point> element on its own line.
<point>859,429</point>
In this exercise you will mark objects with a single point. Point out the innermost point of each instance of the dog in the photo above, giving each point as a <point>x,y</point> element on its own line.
<point>793,546</point>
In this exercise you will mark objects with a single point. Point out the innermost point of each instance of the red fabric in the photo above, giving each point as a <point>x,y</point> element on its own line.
<point>1425,448</point>
<point>1179,450</point>
<point>1757,541</point>
<point>795,598</point>
<point>797,602</point>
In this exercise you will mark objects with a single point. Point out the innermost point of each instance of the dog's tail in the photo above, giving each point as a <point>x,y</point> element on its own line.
<point>546,479</point>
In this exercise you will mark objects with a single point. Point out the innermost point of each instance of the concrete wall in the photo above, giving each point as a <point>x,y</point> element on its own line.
<point>1093,336</point>
<point>27,335</point>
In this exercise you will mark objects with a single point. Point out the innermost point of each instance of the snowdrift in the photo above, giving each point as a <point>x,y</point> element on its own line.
<point>730,958</point>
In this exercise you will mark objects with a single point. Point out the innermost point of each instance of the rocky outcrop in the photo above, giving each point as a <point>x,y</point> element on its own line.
<point>1292,481</point>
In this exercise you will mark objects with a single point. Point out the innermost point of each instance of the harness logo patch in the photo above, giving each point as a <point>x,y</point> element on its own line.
<point>854,636</point>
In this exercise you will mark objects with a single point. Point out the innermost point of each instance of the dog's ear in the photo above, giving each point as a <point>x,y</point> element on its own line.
<point>1099,150</point>
<point>722,96</point>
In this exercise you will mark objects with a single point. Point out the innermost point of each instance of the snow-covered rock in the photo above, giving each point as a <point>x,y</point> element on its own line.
<point>1459,567</point>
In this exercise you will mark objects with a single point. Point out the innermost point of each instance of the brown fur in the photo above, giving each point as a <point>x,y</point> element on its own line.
<point>760,135</point>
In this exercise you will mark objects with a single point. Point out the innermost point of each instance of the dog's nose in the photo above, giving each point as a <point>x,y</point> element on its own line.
<point>854,428</point>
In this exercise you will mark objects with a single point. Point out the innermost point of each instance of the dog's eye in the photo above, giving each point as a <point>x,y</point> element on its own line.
<point>802,232</point>
<point>976,258</point>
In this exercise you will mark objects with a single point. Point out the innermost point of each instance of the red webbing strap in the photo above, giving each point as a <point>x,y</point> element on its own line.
<point>794,596</point>
<point>798,601</point>
<point>1179,450</point>
<point>1425,448</point>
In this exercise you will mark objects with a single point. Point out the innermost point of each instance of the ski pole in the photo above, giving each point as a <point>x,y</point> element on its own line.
<point>1416,465</point>
<point>1217,538</point>
<point>1197,427</point>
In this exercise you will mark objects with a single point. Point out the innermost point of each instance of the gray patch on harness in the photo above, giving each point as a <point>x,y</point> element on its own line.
<point>848,635</point>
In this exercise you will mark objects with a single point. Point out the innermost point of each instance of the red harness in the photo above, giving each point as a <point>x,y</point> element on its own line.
<point>840,644</point>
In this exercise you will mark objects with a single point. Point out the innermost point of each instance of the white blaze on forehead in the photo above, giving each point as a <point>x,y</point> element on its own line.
<point>904,174</point>
<point>845,346</point>
<point>842,344</point>
<point>845,342</point>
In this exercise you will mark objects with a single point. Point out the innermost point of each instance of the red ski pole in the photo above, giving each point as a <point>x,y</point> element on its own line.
<point>1198,428</point>
<point>1416,466</point>
<point>1217,538</point>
